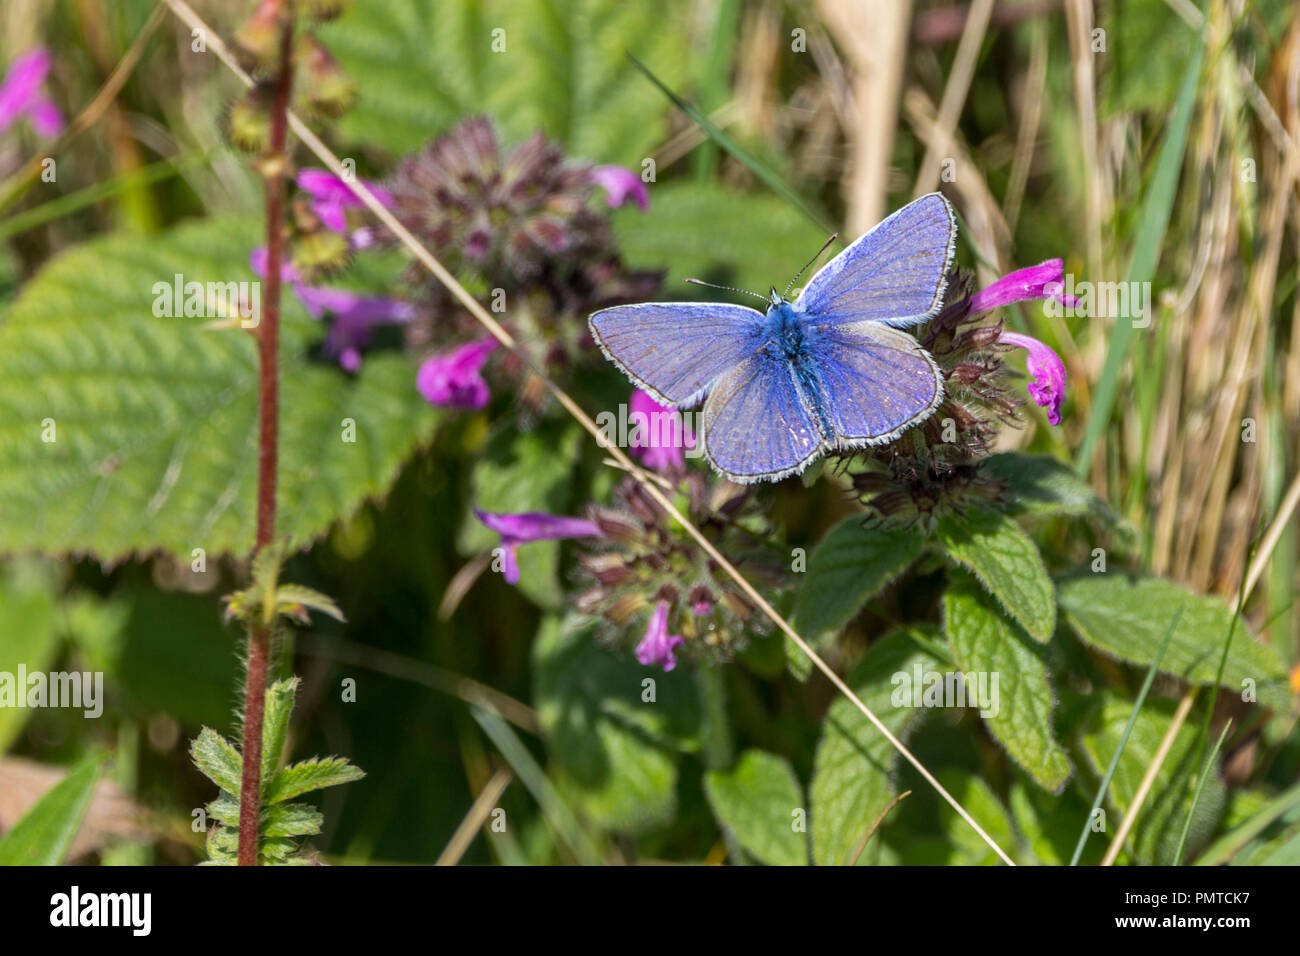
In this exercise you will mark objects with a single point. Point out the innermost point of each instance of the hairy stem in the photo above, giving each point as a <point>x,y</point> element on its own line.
<point>275,165</point>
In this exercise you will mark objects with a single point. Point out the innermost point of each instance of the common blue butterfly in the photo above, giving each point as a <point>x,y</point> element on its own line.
<point>830,371</point>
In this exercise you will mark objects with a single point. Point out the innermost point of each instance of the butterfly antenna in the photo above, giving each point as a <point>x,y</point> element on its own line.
<point>727,288</point>
<point>825,246</point>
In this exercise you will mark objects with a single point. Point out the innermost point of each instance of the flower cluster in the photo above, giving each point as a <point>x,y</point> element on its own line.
<point>644,577</point>
<point>935,466</point>
<point>520,230</point>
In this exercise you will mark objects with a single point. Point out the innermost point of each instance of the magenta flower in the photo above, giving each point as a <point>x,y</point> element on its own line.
<point>1042,281</point>
<point>619,184</point>
<point>656,648</point>
<point>658,438</point>
<point>455,378</point>
<point>355,315</point>
<point>332,197</point>
<point>517,529</point>
<point>1047,371</point>
<point>21,95</point>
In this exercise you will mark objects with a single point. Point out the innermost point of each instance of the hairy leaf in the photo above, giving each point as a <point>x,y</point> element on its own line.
<point>760,801</point>
<point>853,769</point>
<point>1006,562</point>
<point>127,432</point>
<point>984,641</point>
<point>1127,617</point>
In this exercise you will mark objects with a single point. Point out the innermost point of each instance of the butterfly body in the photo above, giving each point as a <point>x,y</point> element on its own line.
<point>831,371</point>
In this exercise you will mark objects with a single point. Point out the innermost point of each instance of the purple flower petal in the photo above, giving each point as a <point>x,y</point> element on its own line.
<point>656,648</point>
<point>658,438</point>
<point>537,526</point>
<point>455,379</point>
<point>619,184</point>
<point>333,196</point>
<point>1042,281</point>
<point>517,529</point>
<point>1047,371</point>
<point>20,93</point>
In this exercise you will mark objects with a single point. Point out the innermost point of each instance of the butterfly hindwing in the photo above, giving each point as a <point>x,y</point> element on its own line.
<point>757,425</point>
<point>876,382</point>
<point>896,273</point>
<point>676,350</point>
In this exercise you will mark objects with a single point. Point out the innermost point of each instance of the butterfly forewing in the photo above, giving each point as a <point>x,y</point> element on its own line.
<point>676,350</point>
<point>896,273</point>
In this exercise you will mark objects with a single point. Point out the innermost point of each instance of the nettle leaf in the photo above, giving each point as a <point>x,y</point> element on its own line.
<point>275,723</point>
<point>421,65</point>
<point>1006,562</point>
<point>291,819</point>
<point>314,774</point>
<point>217,759</point>
<point>520,472</point>
<point>692,227</point>
<point>617,753</point>
<point>984,641</point>
<point>849,567</point>
<point>853,780</point>
<point>154,420</point>
<point>760,801</point>
<point>1037,484</point>
<point>1127,617</point>
<point>1155,835</point>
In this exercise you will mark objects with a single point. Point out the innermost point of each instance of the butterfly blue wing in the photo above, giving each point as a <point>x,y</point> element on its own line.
<point>676,350</point>
<point>875,382</point>
<point>757,424</point>
<point>896,273</point>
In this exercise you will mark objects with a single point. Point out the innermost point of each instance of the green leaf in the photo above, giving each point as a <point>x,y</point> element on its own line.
<point>760,801</point>
<point>155,419</point>
<point>852,774</point>
<point>1126,617</point>
<point>691,229</point>
<point>314,774</point>
<point>28,635</point>
<point>421,65</point>
<point>275,723</point>
<point>981,803</point>
<point>983,641</point>
<point>1006,562</point>
<point>1037,484</point>
<point>615,750</point>
<point>217,759</point>
<point>515,473</point>
<point>291,819</point>
<point>849,567</point>
<point>313,600</point>
<point>1159,825</point>
<point>46,831</point>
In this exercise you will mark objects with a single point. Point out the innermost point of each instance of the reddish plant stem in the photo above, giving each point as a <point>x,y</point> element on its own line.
<point>275,165</point>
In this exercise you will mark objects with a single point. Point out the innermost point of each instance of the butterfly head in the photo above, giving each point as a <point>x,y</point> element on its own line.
<point>776,297</point>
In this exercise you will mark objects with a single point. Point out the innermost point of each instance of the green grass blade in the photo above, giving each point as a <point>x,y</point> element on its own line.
<point>1228,845</point>
<point>64,205</point>
<point>1156,211</point>
<point>741,155</point>
<point>44,834</point>
<point>554,809</point>
<point>1196,797</point>
<point>1123,741</point>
